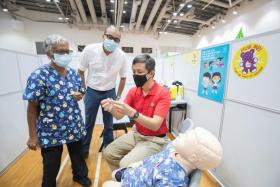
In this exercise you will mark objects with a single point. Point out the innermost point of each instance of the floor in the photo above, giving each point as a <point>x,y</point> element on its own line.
<point>27,170</point>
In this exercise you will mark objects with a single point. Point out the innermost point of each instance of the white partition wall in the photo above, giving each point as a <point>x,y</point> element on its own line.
<point>15,69</point>
<point>248,122</point>
<point>250,140</point>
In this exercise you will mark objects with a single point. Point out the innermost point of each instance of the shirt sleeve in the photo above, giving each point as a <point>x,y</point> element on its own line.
<point>163,104</point>
<point>35,88</point>
<point>169,177</point>
<point>124,67</point>
<point>83,62</point>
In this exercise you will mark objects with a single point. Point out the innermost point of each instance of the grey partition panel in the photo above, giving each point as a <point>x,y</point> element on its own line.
<point>13,128</point>
<point>262,90</point>
<point>203,112</point>
<point>27,64</point>
<point>9,72</point>
<point>250,140</point>
<point>187,73</point>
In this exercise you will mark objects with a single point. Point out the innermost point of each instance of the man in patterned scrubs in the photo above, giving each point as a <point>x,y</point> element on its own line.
<point>53,114</point>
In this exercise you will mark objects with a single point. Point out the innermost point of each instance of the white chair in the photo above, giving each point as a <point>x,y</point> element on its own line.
<point>186,125</point>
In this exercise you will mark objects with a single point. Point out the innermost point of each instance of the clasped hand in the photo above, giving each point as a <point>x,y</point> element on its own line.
<point>111,105</point>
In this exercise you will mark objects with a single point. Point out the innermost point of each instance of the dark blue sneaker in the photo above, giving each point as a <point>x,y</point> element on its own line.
<point>118,174</point>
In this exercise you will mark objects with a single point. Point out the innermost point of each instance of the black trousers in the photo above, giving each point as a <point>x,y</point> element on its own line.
<point>52,159</point>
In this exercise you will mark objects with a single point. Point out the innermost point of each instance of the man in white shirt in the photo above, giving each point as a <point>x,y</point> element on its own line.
<point>104,62</point>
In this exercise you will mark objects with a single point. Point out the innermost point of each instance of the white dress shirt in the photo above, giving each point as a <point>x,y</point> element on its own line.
<point>102,69</point>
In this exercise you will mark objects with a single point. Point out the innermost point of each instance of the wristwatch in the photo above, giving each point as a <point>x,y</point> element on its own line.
<point>82,90</point>
<point>135,115</point>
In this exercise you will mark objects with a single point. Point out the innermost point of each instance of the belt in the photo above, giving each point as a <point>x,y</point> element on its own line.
<point>161,135</point>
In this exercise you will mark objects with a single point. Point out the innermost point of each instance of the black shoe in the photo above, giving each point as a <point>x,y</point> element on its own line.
<point>85,182</point>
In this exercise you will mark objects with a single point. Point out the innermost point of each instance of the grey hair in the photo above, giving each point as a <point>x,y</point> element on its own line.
<point>53,40</point>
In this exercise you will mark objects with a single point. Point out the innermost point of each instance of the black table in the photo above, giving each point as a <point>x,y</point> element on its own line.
<point>177,106</point>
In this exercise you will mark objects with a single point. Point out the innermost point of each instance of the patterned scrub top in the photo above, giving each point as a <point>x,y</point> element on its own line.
<point>59,120</point>
<point>159,170</point>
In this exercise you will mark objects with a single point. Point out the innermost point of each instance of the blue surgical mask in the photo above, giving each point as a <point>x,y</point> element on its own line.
<point>110,45</point>
<point>62,60</point>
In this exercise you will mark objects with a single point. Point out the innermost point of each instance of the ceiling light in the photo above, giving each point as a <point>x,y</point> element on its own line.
<point>48,0</point>
<point>234,12</point>
<point>67,18</point>
<point>175,13</point>
<point>160,32</point>
<point>122,26</point>
<point>5,10</point>
<point>165,32</point>
<point>182,5</point>
<point>169,20</point>
<point>181,14</point>
<point>224,21</point>
<point>124,11</point>
<point>175,21</point>
<point>125,2</point>
<point>213,27</point>
<point>189,6</point>
<point>112,1</point>
<point>60,18</point>
<point>112,10</point>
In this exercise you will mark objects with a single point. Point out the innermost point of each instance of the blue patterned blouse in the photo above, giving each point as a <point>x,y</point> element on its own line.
<point>59,120</point>
<point>159,170</point>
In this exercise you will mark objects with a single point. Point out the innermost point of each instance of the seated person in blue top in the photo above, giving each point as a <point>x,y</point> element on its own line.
<point>54,118</point>
<point>197,148</point>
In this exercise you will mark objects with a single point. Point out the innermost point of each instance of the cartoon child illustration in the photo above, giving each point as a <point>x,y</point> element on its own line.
<point>216,79</point>
<point>219,62</point>
<point>211,65</point>
<point>206,82</point>
<point>248,63</point>
<point>205,65</point>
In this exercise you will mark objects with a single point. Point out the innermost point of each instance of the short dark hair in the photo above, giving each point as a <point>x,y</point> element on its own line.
<point>207,74</point>
<point>147,60</point>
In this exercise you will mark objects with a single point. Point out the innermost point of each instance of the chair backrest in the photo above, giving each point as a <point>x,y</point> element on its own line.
<point>186,125</point>
<point>195,177</point>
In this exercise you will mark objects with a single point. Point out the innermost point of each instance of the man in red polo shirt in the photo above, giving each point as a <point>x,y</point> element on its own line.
<point>147,104</point>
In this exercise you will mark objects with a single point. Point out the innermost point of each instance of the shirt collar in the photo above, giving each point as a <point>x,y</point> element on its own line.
<point>151,92</point>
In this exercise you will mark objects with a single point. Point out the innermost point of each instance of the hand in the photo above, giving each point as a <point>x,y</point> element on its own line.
<point>123,108</point>
<point>33,143</point>
<point>77,95</point>
<point>107,104</point>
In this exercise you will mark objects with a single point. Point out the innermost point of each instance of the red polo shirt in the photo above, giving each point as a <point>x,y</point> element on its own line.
<point>156,102</point>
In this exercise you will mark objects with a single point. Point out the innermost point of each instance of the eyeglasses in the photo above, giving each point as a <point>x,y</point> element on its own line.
<point>110,37</point>
<point>64,52</point>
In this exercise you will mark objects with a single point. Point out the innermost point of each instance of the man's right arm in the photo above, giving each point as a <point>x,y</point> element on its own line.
<point>82,75</point>
<point>32,114</point>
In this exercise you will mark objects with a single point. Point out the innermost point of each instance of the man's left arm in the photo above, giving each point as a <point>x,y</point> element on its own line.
<point>123,77</point>
<point>121,87</point>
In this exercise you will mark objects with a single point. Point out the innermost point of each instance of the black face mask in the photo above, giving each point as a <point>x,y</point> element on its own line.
<point>140,80</point>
